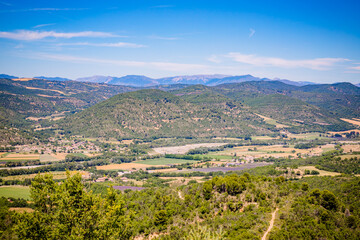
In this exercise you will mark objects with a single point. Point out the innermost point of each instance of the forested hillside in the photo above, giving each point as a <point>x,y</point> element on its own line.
<point>154,114</point>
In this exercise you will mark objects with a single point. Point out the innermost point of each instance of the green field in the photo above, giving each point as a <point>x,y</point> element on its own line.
<point>15,192</point>
<point>164,161</point>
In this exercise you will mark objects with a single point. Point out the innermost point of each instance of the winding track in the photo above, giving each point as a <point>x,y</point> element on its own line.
<point>271,224</point>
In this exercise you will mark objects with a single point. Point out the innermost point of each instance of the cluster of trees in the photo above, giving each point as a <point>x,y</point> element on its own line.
<point>323,214</point>
<point>226,207</point>
<point>53,167</point>
<point>349,165</point>
<point>233,185</point>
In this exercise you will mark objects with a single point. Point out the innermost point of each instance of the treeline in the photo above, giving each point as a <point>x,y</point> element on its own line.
<point>53,167</point>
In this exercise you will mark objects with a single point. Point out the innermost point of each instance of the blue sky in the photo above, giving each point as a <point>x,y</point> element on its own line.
<point>315,41</point>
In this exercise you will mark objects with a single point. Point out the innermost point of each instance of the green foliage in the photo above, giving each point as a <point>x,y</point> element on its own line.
<point>68,211</point>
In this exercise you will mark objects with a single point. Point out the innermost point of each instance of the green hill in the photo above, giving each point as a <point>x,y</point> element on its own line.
<point>154,113</point>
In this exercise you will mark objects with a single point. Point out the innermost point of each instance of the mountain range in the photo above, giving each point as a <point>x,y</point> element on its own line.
<point>144,81</point>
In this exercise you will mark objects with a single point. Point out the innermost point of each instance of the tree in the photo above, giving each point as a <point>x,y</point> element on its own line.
<point>328,200</point>
<point>69,211</point>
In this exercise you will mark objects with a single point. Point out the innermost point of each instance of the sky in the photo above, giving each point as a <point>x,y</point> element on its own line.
<point>315,40</point>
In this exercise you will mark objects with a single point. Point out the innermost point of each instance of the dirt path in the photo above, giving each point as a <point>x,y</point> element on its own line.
<point>180,195</point>
<point>271,224</point>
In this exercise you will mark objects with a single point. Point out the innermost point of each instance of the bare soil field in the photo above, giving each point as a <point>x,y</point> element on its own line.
<point>123,166</point>
<point>184,149</point>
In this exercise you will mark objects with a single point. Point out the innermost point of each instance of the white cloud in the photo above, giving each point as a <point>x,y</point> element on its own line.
<point>44,25</point>
<point>355,68</point>
<point>36,35</point>
<point>252,32</point>
<point>315,64</point>
<point>168,66</point>
<point>44,9</point>
<point>118,44</point>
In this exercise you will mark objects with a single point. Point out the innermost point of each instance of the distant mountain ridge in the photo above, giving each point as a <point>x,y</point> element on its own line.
<point>144,81</point>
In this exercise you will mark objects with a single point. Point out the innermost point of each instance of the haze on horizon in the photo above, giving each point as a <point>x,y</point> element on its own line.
<point>316,41</point>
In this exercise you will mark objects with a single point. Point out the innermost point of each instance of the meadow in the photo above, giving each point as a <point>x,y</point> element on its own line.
<point>15,192</point>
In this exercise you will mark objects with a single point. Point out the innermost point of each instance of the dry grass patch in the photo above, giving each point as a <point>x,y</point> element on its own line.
<point>349,156</point>
<point>20,156</point>
<point>351,148</point>
<point>56,175</point>
<point>353,121</point>
<point>322,172</point>
<point>21,210</point>
<point>123,166</point>
<point>53,90</point>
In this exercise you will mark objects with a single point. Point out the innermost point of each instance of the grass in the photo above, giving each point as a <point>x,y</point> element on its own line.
<point>164,161</point>
<point>322,172</point>
<point>56,175</point>
<point>348,156</point>
<point>15,192</point>
<point>307,136</point>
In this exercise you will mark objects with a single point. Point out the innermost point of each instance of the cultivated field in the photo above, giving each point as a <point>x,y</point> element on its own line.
<point>123,166</point>
<point>56,175</point>
<point>164,161</point>
<point>276,151</point>
<point>19,157</point>
<point>227,169</point>
<point>184,149</point>
<point>15,192</point>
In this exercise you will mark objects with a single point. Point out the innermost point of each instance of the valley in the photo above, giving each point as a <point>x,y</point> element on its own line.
<point>234,159</point>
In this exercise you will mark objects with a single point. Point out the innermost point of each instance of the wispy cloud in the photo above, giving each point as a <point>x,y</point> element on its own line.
<point>214,59</point>
<point>315,64</point>
<point>44,25</point>
<point>252,32</point>
<point>168,66</point>
<point>355,68</point>
<point>117,44</point>
<point>162,38</point>
<point>43,9</point>
<point>6,4</point>
<point>36,35</point>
